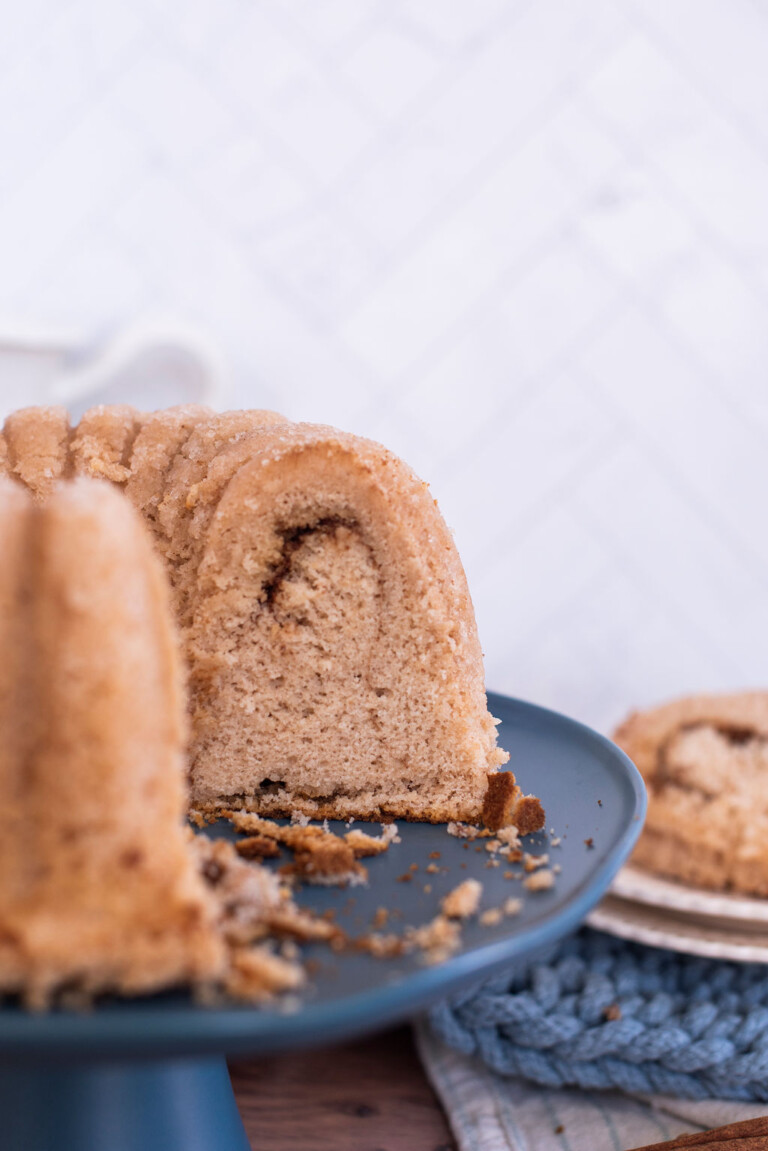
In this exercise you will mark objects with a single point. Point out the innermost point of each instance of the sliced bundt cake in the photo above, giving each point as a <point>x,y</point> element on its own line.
<point>334,662</point>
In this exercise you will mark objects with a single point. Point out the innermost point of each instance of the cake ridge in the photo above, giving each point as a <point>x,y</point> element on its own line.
<point>92,767</point>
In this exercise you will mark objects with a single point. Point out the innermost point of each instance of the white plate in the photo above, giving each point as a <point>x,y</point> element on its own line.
<point>745,942</point>
<point>632,883</point>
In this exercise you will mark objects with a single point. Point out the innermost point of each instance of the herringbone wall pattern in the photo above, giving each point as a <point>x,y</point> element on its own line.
<point>523,242</point>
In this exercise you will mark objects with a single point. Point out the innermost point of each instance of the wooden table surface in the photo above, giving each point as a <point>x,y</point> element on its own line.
<point>371,1095</point>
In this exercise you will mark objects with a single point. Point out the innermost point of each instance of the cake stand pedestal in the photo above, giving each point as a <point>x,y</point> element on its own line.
<point>138,1105</point>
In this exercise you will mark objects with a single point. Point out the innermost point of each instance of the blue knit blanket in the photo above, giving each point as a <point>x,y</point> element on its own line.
<point>598,1012</point>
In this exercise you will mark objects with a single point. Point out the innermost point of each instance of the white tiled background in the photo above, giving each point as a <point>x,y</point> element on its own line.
<point>523,243</point>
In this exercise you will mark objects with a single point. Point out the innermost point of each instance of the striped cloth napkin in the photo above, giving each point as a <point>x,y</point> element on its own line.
<point>488,1112</point>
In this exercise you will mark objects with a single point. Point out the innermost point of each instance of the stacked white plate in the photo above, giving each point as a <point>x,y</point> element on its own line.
<point>662,913</point>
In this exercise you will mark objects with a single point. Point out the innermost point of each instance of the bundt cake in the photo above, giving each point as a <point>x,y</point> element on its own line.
<point>705,762</point>
<point>98,886</point>
<point>334,662</point>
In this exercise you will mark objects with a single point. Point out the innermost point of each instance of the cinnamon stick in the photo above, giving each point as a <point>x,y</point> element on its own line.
<point>750,1135</point>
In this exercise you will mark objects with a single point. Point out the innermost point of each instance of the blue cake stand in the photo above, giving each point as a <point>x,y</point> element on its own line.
<point>150,1074</point>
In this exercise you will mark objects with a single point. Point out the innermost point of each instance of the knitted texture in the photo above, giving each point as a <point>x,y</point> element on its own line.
<point>597,1012</point>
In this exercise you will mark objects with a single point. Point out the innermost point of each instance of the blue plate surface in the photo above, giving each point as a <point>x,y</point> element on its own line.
<point>595,802</point>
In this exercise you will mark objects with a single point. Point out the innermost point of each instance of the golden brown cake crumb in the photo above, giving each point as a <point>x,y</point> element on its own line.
<point>528,815</point>
<point>257,847</point>
<point>505,804</point>
<point>438,939</point>
<point>256,974</point>
<point>464,900</point>
<point>289,921</point>
<point>467,831</point>
<point>365,845</point>
<point>539,881</point>
<point>499,800</point>
<point>381,946</point>
<point>327,863</point>
<point>381,917</point>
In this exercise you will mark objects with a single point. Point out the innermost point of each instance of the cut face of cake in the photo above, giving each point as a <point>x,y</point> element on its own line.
<point>335,664</point>
<point>705,763</point>
<point>98,887</point>
<point>333,656</point>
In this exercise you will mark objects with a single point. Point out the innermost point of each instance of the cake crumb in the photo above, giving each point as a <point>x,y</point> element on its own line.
<point>500,797</point>
<point>292,922</point>
<point>438,939</point>
<point>513,906</point>
<point>492,917</point>
<point>257,847</point>
<point>432,868</point>
<point>589,842</point>
<point>427,888</point>
<point>256,974</point>
<point>380,946</point>
<point>363,844</point>
<point>539,881</point>
<point>505,804</point>
<point>464,900</point>
<point>327,861</point>
<point>434,855</point>
<point>381,917</point>
<point>555,841</point>
<point>467,831</point>
<point>532,862</point>
<point>509,835</point>
<point>320,857</point>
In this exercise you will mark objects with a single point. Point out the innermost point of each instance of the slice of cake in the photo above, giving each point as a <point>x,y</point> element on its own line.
<point>335,664</point>
<point>705,763</point>
<point>98,886</point>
